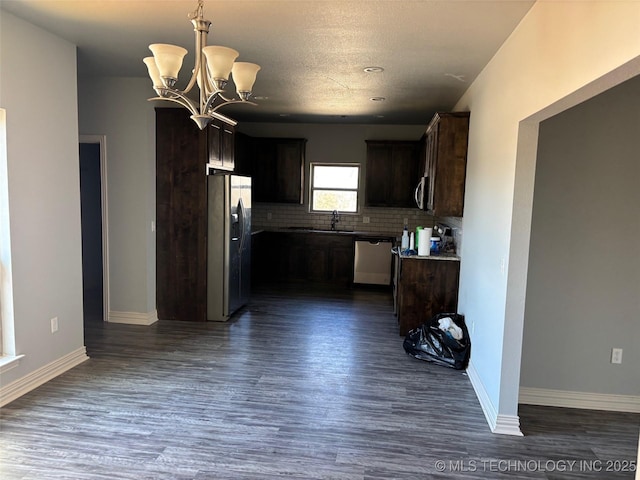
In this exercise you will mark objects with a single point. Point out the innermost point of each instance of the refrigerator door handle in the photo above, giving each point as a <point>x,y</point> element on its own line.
<point>240,219</point>
<point>235,222</point>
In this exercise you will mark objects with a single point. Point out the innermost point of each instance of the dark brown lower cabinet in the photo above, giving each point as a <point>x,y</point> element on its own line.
<point>302,257</point>
<point>424,287</point>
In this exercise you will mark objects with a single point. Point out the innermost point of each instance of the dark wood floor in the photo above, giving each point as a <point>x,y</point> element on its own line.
<point>300,386</point>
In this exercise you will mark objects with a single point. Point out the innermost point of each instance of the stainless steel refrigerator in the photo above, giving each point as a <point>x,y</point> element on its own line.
<point>228,244</point>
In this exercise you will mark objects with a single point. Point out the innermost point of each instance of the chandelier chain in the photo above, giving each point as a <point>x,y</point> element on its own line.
<point>198,12</point>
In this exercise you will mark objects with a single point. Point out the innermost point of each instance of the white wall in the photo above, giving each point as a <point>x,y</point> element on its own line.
<point>44,195</point>
<point>560,54</point>
<point>583,287</point>
<point>118,108</point>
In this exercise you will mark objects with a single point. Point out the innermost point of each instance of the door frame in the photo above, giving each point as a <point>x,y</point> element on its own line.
<point>102,141</point>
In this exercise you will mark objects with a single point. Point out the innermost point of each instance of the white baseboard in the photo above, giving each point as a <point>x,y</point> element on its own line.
<point>33,380</point>
<point>508,425</point>
<point>585,400</point>
<point>499,424</point>
<point>133,318</point>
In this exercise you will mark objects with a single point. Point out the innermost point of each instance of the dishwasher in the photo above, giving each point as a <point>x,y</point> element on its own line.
<point>372,263</point>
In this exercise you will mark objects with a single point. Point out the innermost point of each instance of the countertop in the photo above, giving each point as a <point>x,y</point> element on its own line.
<point>441,256</point>
<point>360,234</point>
<point>354,233</point>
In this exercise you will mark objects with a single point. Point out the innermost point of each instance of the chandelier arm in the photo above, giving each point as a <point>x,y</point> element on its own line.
<point>181,100</point>
<point>233,101</point>
<point>186,101</point>
<point>198,61</point>
<point>212,108</point>
<point>225,98</point>
<point>217,100</point>
<point>206,89</point>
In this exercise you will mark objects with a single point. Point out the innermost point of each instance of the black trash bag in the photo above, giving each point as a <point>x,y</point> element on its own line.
<point>429,343</point>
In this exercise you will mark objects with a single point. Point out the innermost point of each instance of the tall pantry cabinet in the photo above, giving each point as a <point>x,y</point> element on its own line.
<point>183,154</point>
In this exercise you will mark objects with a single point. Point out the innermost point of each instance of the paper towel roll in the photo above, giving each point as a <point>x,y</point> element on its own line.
<point>424,241</point>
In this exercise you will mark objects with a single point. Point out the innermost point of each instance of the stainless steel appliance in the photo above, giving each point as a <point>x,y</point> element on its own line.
<point>228,245</point>
<point>372,263</point>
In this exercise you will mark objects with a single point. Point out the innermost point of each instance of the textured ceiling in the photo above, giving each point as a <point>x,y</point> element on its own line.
<point>312,52</point>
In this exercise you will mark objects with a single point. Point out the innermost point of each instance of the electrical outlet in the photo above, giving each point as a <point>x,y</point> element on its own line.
<point>54,324</point>
<point>406,221</point>
<point>616,355</point>
<point>365,219</point>
<point>269,215</point>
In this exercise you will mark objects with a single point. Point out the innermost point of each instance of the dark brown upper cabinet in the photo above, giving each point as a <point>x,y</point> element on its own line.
<point>243,154</point>
<point>444,163</point>
<point>391,173</point>
<point>277,169</point>
<point>221,146</point>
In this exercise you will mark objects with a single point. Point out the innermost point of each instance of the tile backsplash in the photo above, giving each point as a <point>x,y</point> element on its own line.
<point>381,220</point>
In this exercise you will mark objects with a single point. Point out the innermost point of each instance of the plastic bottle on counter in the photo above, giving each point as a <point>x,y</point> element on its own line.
<point>435,245</point>
<point>418,232</point>
<point>412,242</point>
<point>405,239</point>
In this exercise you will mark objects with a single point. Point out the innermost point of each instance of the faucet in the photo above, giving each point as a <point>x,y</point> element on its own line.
<point>335,218</point>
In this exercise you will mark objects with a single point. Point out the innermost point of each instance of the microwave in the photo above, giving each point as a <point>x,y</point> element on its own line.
<point>421,193</point>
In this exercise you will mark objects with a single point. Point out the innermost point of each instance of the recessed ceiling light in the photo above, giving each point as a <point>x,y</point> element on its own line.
<point>373,69</point>
<point>377,99</point>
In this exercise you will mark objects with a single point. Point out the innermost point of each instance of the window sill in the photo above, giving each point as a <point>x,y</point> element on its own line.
<point>7,362</point>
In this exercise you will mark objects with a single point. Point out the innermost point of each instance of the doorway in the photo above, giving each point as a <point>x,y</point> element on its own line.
<point>95,279</point>
<point>586,170</point>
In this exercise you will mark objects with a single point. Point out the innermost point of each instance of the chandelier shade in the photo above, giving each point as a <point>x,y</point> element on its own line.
<point>219,63</point>
<point>168,59</point>
<point>214,65</point>
<point>244,76</point>
<point>154,73</point>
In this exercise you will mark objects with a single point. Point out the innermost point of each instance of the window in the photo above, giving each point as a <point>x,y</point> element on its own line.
<point>334,187</point>
<point>7,337</point>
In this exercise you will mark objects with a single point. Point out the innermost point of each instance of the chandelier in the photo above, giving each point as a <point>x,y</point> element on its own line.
<point>213,64</point>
